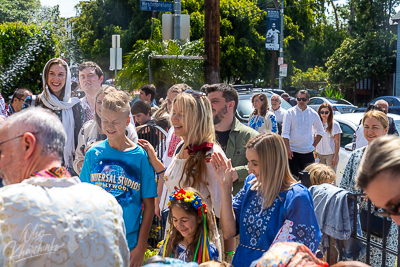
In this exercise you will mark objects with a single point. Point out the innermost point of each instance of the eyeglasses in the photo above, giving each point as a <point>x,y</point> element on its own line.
<point>304,99</point>
<point>19,136</point>
<point>392,211</point>
<point>324,112</point>
<point>195,94</point>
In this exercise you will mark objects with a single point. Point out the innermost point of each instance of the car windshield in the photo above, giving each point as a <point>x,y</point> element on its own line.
<point>245,107</point>
<point>336,101</point>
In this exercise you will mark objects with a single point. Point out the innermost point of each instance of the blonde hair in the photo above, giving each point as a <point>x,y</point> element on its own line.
<point>320,173</point>
<point>274,166</point>
<point>198,121</point>
<point>215,264</point>
<point>117,101</point>
<point>379,115</point>
<point>106,90</point>
<point>383,154</point>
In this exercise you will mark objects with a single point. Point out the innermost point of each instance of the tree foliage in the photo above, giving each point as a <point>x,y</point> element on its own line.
<point>24,50</point>
<point>15,11</point>
<point>362,57</point>
<point>313,78</point>
<point>165,72</point>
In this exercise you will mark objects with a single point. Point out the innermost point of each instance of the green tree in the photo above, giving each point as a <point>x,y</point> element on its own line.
<point>165,72</point>
<point>14,11</point>
<point>24,50</point>
<point>362,57</point>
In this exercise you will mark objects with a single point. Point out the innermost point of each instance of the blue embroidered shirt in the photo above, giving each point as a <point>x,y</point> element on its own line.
<point>259,228</point>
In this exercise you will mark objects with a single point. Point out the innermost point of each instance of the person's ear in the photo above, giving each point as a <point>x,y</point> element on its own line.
<point>29,143</point>
<point>128,120</point>
<point>101,79</point>
<point>386,130</point>
<point>199,218</point>
<point>231,104</point>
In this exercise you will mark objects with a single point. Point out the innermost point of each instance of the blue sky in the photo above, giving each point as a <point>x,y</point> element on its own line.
<point>66,6</point>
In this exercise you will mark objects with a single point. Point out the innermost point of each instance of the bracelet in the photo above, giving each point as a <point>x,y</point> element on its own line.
<point>158,173</point>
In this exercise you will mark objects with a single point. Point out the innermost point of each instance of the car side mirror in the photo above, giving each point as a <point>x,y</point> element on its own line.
<point>349,147</point>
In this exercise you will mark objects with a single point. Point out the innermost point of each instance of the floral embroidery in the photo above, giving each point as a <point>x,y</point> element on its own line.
<point>256,122</point>
<point>256,219</point>
<point>274,123</point>
<point>173,144</point>
<point>305,234</point>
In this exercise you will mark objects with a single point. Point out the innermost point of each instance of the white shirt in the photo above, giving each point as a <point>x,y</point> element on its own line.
<point>60,222</point>
<point>298,128</point>
<point>279,114</point>
<point>327,144</point>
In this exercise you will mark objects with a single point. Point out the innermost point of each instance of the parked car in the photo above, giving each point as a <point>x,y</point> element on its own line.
<point>245,107</point>
<point>348,123</point>
<point>339,106</point>
<point>393,102</point>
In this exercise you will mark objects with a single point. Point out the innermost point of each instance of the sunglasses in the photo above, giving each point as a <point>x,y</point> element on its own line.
<point>324,112</point>
<point>392,211</point>
<point>195,94</point>
<point>304,99</point>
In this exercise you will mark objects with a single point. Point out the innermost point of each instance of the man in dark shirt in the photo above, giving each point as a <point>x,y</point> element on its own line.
<point>145,125</point>
<point>291,100</point>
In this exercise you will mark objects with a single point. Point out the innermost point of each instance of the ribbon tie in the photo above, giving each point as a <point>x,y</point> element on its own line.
<point>193,149</point>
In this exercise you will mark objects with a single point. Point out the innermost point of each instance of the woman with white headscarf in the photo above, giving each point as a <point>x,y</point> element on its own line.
<point>56,96</point>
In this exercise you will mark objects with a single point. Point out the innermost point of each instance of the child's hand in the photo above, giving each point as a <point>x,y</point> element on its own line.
<point>222,169</point>
<point>136,256</point>
<point>149,149</point>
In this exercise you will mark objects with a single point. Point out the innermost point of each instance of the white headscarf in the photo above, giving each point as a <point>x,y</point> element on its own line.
<point>52,102</point>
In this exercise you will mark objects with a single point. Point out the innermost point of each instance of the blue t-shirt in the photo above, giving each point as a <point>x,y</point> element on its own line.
<point>259,228</point>
<point>127,175</point>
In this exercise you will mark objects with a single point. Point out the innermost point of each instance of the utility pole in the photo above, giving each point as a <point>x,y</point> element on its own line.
<point>211,41</point>
<point>177,20</point>
<point>281,46</point>
<point>273,69</point>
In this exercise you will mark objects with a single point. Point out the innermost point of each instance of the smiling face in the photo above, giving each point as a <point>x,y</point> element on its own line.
<point>56,79</point>
<point>178,120</point>
<point>253,163</point>
<point>384,191</point>
<point>373,129</point>
<point>114,124</point>
<point>185,223</point>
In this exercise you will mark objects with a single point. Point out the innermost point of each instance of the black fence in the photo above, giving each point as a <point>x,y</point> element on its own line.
<point>367,240</point>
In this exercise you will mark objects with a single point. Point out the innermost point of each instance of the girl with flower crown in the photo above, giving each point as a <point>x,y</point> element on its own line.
<point>192,118</point>
<point>191,229</point>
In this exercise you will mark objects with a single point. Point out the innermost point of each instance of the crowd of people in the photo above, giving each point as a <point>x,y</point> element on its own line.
<point>83,178</point>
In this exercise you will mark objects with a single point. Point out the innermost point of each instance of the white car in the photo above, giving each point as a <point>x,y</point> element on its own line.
<point>339,106</point>
<point>348,123</point>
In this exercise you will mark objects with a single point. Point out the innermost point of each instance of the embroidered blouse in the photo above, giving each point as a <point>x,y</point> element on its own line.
<point>182,252</point>
<point>291,217</point>
<point>263,124</point>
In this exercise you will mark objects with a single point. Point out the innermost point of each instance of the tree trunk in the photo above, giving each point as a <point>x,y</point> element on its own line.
<point>211,41</point>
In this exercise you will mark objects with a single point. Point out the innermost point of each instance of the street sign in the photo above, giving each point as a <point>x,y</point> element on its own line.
<point>283,70</point>
<point>280,61</point>
<point>118,59</point>
<point>156,6</point>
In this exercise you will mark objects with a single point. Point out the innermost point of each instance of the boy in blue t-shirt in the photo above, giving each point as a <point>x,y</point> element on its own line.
<point>122,168</point>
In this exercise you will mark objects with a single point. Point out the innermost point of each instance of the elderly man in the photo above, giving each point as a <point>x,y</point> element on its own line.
<point>47,217</point>
<point>278,111</point>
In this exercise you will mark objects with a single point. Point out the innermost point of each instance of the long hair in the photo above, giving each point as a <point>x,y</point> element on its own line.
<point>274,166</point>
<point>176,237</point>
<point>161,111</point>
<point>198,122</point>
<point>264,108</point>
<point>330,116</point>
<point>106,90</point>
<point>55,61</point>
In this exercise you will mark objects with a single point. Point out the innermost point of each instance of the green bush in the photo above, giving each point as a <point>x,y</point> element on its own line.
<point>24,50</point>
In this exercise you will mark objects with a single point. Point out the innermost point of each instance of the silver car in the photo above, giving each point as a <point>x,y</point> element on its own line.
<point>339,106</point>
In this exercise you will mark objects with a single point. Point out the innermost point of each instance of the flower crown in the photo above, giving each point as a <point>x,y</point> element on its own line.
<point>190,198</point>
